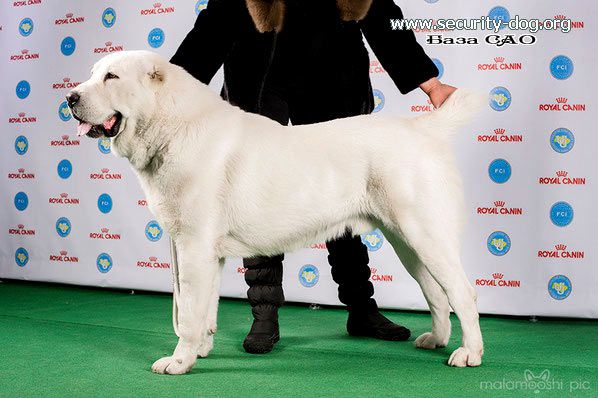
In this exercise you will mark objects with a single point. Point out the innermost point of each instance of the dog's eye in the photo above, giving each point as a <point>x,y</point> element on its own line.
<point>110,75</point>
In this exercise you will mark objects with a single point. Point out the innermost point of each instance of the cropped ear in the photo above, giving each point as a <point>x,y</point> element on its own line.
<point>156,74</point>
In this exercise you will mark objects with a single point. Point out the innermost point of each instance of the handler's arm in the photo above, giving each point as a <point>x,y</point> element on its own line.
<point>206,46</point>
<point>398,51</point>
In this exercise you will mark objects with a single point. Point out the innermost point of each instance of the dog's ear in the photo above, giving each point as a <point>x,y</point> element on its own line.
<point>156,74</point>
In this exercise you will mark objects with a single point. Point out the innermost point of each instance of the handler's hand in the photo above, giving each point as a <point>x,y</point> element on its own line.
<point>437,91</point>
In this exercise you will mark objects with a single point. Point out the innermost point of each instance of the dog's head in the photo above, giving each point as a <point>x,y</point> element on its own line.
<point>119,95</point>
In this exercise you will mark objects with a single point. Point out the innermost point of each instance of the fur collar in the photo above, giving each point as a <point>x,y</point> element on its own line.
<point>268,15</point>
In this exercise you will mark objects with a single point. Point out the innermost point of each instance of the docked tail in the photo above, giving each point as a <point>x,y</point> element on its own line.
<point>458,110</point>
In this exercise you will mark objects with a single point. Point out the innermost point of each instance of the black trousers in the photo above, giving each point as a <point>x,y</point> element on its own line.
<point>348,256</point>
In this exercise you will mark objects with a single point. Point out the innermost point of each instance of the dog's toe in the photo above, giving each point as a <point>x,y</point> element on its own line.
<point>463,357</point>
<point>171,366</point>
<point>429,341</point>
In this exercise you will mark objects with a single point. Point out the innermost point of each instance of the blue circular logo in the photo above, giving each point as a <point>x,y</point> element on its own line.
<point>21,145</point>
<point>500,99</point>
<point>64,112</point>
<point>68,46</point>
<point>200,6</point>
<point>104,145</point>
<point>21,257</point>
<point>26,27</point>
<point>561,67</point>
<point>23,89</point>
<point>153,231</point>
<point>105,203</point>
<point>561,214</point>
<point>373,240</point>
<point>562,140</point>
<point>309,275</point>
<point>499,243</point>
<point>109,17</point>
<point>431,1</point>
<point>156,37</point>
<point>500,14</point>
<point>499,171</point>
<point>440,67</point>
<point>65,169</point>
<point>559,287</point>
<point>104,263</point>
<point>21,201</point>
<point>63,227</point>
<point>379,100</point>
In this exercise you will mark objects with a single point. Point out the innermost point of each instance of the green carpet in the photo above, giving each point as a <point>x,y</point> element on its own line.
<point>78,342</point>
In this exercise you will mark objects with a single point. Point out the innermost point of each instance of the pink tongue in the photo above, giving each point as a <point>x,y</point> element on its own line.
<point>83,128</point>
<point>109,123</point>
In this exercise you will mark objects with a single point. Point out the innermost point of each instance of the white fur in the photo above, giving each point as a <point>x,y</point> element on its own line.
<point>224,182</point>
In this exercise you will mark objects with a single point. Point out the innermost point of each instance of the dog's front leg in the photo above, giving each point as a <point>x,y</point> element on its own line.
<point>198,272</point>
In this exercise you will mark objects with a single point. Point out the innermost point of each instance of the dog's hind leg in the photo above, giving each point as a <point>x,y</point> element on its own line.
<point>434,239</point>
<point>198,275</point>
<point>435,296</point>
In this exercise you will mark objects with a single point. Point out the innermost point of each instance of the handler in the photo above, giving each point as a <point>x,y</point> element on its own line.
<point>304,61</point>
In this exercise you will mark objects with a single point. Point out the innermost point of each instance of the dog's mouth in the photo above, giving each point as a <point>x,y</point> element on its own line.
<point>109,128</point>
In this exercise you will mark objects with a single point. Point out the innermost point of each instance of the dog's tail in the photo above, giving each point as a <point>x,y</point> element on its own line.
<point>458,110</point>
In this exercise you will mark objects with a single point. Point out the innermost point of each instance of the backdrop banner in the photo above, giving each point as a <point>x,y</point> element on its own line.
<point>72,212</point>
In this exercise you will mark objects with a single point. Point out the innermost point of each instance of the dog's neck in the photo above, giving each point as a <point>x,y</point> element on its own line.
<point>145,143</point>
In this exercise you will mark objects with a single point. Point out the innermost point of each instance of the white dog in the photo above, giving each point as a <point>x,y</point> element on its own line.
<point>224,182</point>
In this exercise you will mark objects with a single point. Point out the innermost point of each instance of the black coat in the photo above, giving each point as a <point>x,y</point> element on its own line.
<point>317,62</point>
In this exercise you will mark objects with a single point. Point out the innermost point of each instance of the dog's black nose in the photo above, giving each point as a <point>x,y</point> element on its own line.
<point>72,98</point>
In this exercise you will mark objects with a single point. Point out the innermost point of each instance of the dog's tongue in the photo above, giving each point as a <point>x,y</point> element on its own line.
<point>109,123</point>
<point>83,128</point>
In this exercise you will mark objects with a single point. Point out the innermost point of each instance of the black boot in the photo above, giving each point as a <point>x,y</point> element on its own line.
<point>349,259</point>
<point>264,277</point>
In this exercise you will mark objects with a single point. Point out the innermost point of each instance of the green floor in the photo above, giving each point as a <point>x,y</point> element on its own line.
<point>70,341</point>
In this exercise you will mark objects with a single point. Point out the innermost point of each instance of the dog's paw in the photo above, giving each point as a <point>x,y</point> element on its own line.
<point>205,348</point>
<point>173,365</point>
<point>429,341</point>
<point>463,357</point>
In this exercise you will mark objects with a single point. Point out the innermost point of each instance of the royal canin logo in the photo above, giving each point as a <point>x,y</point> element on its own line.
<point>500,208</point>
<point>109,47</point>
<point>21,175</point>
<point>574,24</point>
<point>24,55</point>
<point>153,262</point>
<point>428,107</point>
<point>22,118</point>
<point>21,231</point>
<point>241,270</point>
<point>66,83</point>
<point>500,135</point>
<point>63,257</point>
<point>498,280</point>
<point>69,19</point>
<point>376,67</point>
<point>105,174</point>
<point>500,65</point>
<point>562,104</point>
<point>562,178</point>
<point>65,141</point>
<point>142,202</point>
<point>157,8</point>
<point>318,246</point>
<point>63,199</point>
<point>104,234</point>
<point>560,251</point>
<point>377,277</point>
<point>23,3</point>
